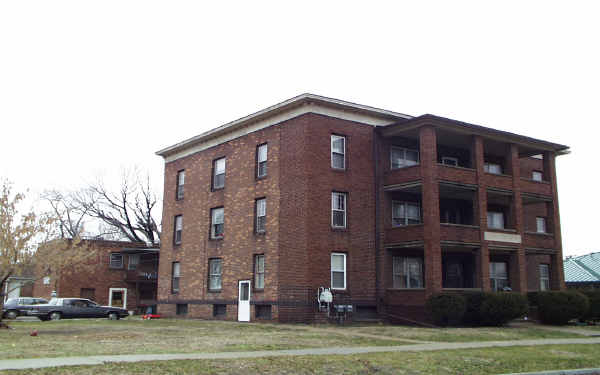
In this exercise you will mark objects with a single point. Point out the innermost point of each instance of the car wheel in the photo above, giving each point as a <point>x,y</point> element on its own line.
<point>55,316</point>
<point>113,316</point>
<point>11,314</point>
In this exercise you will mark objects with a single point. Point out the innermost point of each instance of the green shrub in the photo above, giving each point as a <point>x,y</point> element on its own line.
<point>473,300</point>
<point>560,307</point>
<point>498,309</point>
<point>446,308</point>
<point>593,296</point>
<point>532,298</point>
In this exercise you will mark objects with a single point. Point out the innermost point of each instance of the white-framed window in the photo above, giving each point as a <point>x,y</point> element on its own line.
<point>180,184</point>
<point>261,160</point>
<point>134,260</point>
<point>448,160</point>
<point>495,220</point>
<point>219,173</point>
<point>175,276</point>
<point>261,215</point>
<point>403,157</point>
<point>540,224</point>
<point>407,272</point>
<point>338,210</point>
<point>537,176</point>
<point>338,271</point>
<point>544,277</point>
<point>116,260</point>
<point>492,168</point>
<point>338,151</point>
<point>46,280</point>
<point>217,227</point>
<point>498,276</point>
<point>259,271</point>
<point>215,271</point>
<point>405,213</point>
<point>177,229</point>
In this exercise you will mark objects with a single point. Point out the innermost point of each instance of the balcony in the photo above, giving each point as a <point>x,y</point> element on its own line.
<point>536,187</point>
<point>141,276</point>
<point>455,174</point>
<point>459,233</point>
<point>539,240</point>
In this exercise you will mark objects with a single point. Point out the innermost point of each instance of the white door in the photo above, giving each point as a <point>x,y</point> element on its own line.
<point>244,301</point>
<point>117,297</point>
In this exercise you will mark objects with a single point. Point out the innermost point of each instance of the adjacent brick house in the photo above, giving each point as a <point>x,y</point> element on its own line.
<point>118,274</point>
<point>381,207</point>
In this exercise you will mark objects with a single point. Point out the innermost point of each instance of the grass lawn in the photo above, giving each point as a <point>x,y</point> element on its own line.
<point>454,334</point>
<point>134,336</point>
<point>473,361</point>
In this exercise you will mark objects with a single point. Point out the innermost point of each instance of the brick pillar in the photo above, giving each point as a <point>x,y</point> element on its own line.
<point>480,218</point>
<point>431,209</point>
<point>557,276</point>
<point>518,266</point>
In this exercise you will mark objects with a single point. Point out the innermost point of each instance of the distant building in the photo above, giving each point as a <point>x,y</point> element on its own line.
<point>583,271</point>
<point>122,274</point>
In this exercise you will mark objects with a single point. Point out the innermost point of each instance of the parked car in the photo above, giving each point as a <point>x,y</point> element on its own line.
<point>14,307</point>
<point>65,308</point>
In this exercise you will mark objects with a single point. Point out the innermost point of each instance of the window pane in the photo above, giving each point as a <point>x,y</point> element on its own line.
<point>262,153</point>
<point>337,280</point>
<point>259,281</point>
<point>219,181</point>
<point>260,263</point>
<point>413,211</point>
<point>178,222</point>
<point>220,166</point>
<point>412,157</point>
<point>262,169</point>
<point>337,262</point>
<point>217,216</point>
<point>244,291</point>
<point>181,178</point>
<point>261,207</point>
<point>337,144</point>
<point>541,224</point>
<point>398,210</point>
<point>338,219</point>
<point>176,269</point>
<point>544,271</point>
<point>215,282</point>
<point>337,160</point>
<point>536,176</point>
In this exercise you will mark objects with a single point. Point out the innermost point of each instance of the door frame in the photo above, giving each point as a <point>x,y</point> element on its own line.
<point>110,292</point>
<point>240,317</point>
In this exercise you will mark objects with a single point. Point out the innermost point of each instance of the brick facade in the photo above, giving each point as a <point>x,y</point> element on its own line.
<point>96,277</point>
<point>452,238</point>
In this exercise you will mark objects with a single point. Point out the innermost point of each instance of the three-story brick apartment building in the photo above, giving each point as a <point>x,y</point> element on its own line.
<point>381,207</point>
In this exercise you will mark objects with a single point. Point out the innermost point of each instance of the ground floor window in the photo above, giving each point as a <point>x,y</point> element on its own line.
<point>182,309</point>
<point>498,276</point>
<point>407,272</point>
<point>219,310</point>
<point>544,277</point>
<point>263,311</point>
<point>214,274</point>
<point>338,271</point>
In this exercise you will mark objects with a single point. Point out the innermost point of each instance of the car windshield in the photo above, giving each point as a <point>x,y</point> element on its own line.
<point>10,301</point>
<point>53,301</point>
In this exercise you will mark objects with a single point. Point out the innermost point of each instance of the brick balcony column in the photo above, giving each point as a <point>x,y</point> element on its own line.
<point>480,216</point>
<point>431,209</point>
<point>518,265</point>
<point>557,279</point>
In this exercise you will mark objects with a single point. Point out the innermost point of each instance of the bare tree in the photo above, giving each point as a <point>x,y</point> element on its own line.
<point>128,211</point>
<point>70,216</point>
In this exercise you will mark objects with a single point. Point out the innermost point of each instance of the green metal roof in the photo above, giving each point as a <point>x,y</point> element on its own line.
<point>584,268</point>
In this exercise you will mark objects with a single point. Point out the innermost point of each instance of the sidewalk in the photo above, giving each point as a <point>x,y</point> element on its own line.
<point>20,364</point>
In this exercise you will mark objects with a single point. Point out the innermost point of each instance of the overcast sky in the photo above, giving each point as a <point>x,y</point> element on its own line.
<point>88,87</point>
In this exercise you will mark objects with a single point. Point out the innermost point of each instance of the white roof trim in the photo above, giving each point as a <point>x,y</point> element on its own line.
<point>299,105</point>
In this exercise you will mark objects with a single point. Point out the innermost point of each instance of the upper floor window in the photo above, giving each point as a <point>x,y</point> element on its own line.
<point>492,168</point>
<point>498,276</point>
<point>180,183</point>
<point>217,222</point>
<point>215,272</point>
<point>46,280</point>
<point>261,215</point>
<point>495,220</point>
<point>404,213</point>
<point>116,260</point>
<point>448,160</point>
<point>338,152</point>
<point>537,176</point>
<point>403,157</point>
<point>338,210</point>
<point>259,271</point>
<point>540,223</point>
<point>407,272</point>
<point>544,277</point>
<point>134,260</point>
<point>261,161</point>
<point>338,271</point>
<point>178,229</point>
<point>175,275</point>
<point>219,173</point>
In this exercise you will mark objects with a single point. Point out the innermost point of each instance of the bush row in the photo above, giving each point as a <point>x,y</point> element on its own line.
<point>497,309</point>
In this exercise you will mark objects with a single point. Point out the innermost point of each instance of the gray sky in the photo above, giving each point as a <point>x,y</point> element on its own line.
<point>88,87</point>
